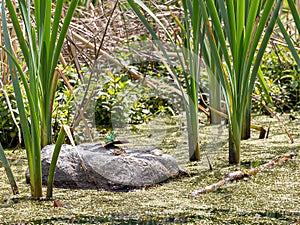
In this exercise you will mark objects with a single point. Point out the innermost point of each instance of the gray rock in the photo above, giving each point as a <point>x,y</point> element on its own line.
<point>110,169</point>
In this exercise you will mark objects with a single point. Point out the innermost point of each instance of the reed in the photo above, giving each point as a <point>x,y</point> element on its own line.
<point>243,29</point>
<point>291,43</point>
<point>40,42</point>
<point>8,171</point>
<point>188,56</point>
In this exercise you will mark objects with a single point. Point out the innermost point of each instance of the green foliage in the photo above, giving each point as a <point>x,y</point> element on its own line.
<point>147,107</point>
<point>153,69</point>
<point>63,109</point>
<point>63,105</point>
<point>142,105</point>
<point>8,129</point>
<point>282,77</point>
<point>111,94</point>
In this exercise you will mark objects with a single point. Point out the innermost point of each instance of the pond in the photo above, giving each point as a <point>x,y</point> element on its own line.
<point>269,197</point>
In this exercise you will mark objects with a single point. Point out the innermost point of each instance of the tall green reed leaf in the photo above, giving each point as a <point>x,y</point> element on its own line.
<point>8,171</point>
<point>290,43</point>
<point>60,140</point>
<point>13,65</point>
<point>41,44</point>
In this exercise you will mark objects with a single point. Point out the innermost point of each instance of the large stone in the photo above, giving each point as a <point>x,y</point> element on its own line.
<point>109,169</point>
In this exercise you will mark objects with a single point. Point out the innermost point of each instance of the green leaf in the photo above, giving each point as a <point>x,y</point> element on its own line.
<point>55,154</point>
<point>8,171</point>
<point>289,42</point>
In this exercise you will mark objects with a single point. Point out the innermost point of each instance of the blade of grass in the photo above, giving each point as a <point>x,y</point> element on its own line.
<point>60,140</point>
<point>289,42</point>
<point>8,171</point>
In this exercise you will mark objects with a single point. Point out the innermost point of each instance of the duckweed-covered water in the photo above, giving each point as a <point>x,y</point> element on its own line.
<point>270,197</point>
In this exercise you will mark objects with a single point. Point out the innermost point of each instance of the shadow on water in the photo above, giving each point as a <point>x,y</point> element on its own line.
<point>109,220</point>
<point>278,216</point>
<point>123,220</point>
<point>214,216</point>
<point>281,216</point>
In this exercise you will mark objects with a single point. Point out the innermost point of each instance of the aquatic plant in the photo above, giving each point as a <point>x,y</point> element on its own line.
<point>243,29</point>
<point>289,41</point>
<point>188,57</point>
<point>8,171</point>
<point>41,42</point>
<point>234,34</point>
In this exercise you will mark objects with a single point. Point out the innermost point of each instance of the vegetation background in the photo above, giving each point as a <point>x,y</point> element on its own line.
<point>106,31</point>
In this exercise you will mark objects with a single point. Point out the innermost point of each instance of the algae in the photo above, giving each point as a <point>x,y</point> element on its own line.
<point>269,197</point>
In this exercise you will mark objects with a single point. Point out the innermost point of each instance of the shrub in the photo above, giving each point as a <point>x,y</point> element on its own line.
<point>8,129</point>
<point>282,77</point>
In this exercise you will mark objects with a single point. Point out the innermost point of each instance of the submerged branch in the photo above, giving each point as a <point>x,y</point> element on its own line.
<point>278,119</point>
<point>238,175</point>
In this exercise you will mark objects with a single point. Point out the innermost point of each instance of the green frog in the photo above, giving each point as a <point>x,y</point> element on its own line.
<point>110,137</point>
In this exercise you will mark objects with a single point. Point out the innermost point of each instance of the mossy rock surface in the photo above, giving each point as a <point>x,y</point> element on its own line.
<point>92,166</point>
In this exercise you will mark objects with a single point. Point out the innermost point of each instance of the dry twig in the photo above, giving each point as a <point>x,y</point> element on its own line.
<point>238,175</point>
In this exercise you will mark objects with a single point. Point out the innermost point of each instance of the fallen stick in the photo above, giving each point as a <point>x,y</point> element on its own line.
<point>279,120</point>
<point>277,160</point>
<point>238,175</point>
